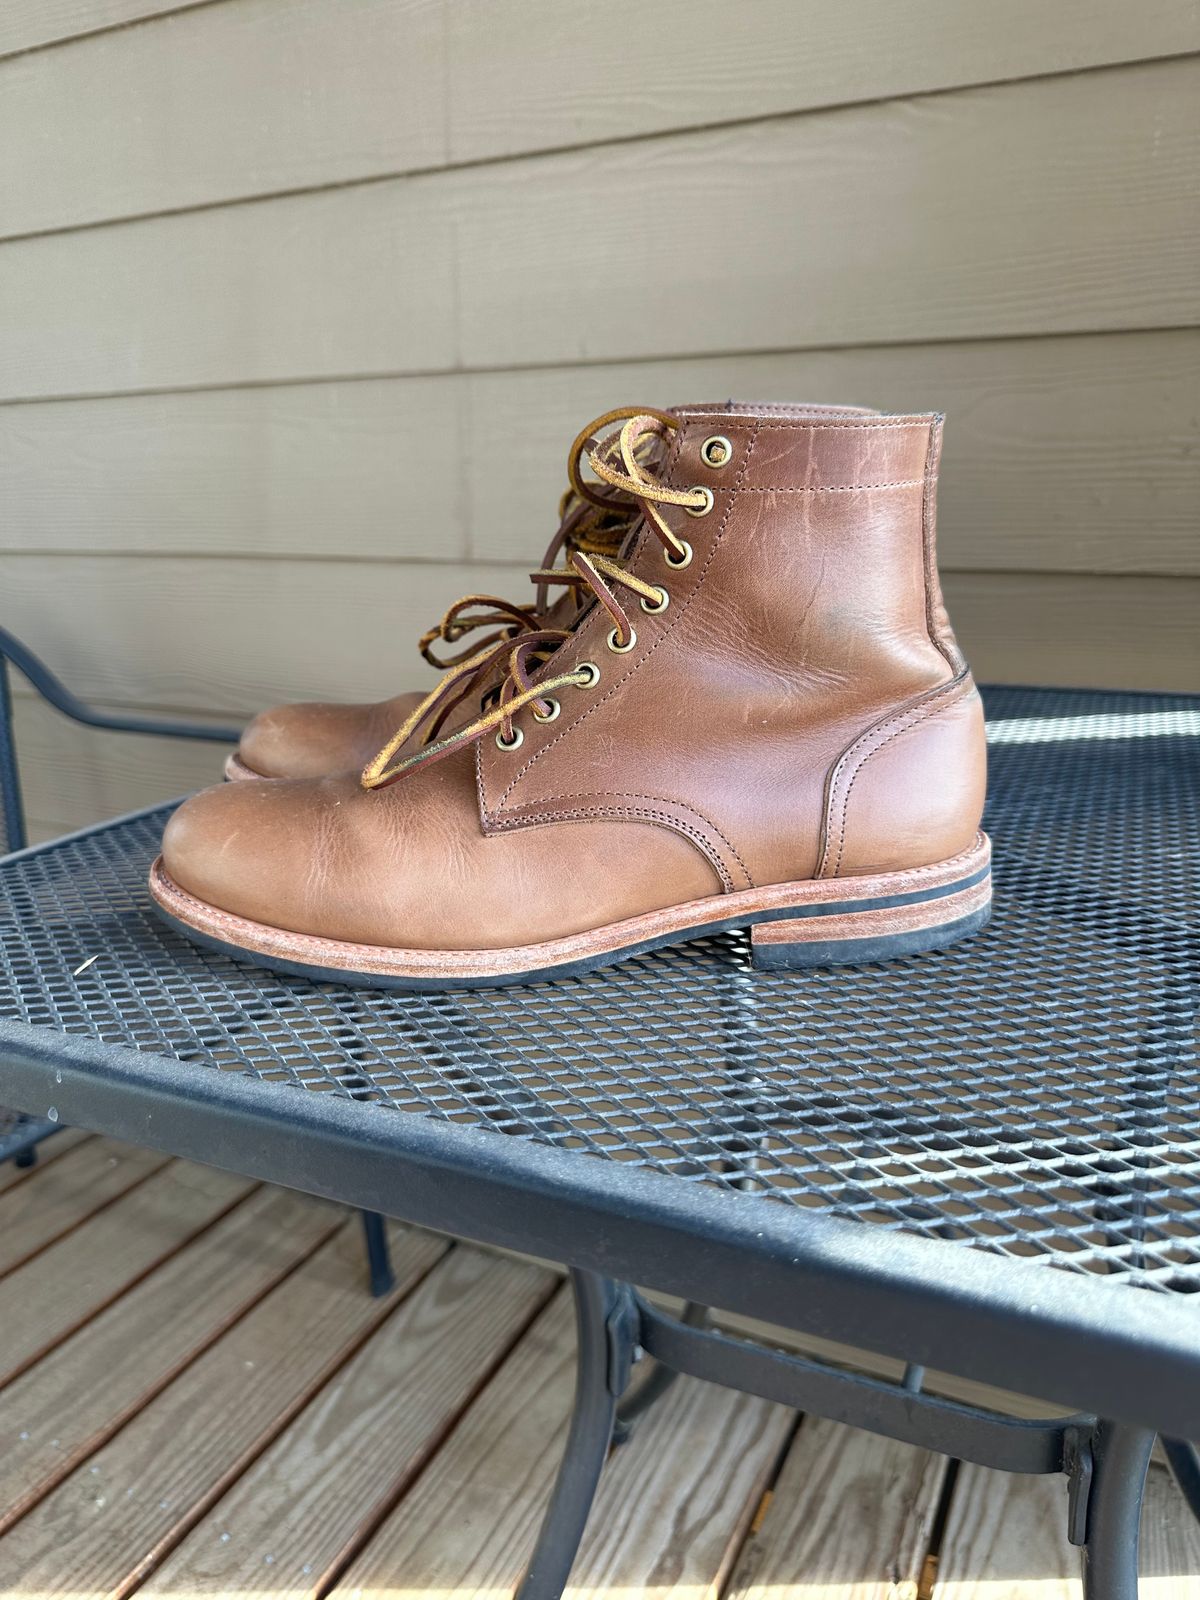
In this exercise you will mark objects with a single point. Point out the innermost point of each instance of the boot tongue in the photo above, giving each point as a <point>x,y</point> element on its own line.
<point>602,535</point>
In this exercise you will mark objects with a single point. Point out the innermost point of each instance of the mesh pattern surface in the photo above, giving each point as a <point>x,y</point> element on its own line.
<point>1034,1090</point>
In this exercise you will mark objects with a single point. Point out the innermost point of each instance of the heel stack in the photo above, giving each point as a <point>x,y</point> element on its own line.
<point>843,929</point>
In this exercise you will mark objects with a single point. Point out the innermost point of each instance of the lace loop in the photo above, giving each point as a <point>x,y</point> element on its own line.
<point>460,620</point>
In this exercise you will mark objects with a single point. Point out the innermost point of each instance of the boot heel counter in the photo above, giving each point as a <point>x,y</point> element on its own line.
<point>910,791</point>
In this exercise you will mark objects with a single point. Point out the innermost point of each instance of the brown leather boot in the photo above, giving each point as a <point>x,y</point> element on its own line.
<point>317,739</point>
<point>759,718</point>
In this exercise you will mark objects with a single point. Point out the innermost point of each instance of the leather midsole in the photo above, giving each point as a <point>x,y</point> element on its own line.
<point>876,922</point>
<point>813,899</point>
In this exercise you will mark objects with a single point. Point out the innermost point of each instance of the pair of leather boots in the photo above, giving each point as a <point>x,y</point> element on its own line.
<point>736,701</point>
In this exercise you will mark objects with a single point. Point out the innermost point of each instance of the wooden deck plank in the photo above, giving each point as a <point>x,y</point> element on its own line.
<point>676,1502</point>
<point>55,1293</point>
<point>850,1515</point>
<point>310,1498</point>
<point>108,1525</point>
<point>216,1400</point>
<point>467,1526</point>
<point>75,1187</point>
<point>671,1509</point>
<point>66,1405</point>
<point>1006,1539</point>
<point>49,1151</point>
<point>1170,1549</point>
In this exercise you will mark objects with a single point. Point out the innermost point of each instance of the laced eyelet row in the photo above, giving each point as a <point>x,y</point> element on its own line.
<point>527,641</point>
<point>518,738</point>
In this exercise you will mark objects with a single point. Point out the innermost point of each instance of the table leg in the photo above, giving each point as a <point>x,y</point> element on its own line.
<point>655,1384</point>
<point>605,1322</point>
<point>1121,1455</point>
<point>379,1259</point>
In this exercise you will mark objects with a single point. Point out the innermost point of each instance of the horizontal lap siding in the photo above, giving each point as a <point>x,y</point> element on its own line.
<point>248,452</point>
<point>33,24</point>
<point>1060,205</point>
<point>203,106</point>
<point>1062,454</point>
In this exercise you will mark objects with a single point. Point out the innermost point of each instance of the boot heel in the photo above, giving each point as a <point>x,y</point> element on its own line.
<point>843,931</point>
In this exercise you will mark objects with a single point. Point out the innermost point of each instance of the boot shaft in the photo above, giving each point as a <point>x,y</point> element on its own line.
<point>807,613</point>
<point>825,536</point>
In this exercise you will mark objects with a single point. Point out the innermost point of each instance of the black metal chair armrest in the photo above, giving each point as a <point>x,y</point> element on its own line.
<point>55,692</point>
<point>20,1135</point>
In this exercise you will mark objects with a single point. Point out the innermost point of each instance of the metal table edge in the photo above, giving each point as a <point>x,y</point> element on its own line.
<point>1133,1355</point>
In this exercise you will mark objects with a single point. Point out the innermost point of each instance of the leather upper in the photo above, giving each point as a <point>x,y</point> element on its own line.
<point>807,612</point>
<point>316,739</point>
<point>799,709</point>
<point>311,739</point>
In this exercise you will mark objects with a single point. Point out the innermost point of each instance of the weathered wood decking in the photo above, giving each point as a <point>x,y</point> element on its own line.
<point>199,1398</point>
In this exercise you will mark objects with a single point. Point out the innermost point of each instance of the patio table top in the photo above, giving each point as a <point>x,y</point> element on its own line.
<point>985,1159</point>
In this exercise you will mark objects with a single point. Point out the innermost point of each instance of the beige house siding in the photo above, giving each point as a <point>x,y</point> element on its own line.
<point>301,303</point>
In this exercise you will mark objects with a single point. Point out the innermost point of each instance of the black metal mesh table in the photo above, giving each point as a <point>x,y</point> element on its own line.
<point>978,1156</point>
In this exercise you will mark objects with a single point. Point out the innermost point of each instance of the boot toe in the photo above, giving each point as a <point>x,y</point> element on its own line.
<point>299,741</point>
<point>316,740</point>
<point>231,847</point>
<point>301,855</point>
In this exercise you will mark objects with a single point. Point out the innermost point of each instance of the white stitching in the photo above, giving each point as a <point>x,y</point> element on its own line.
<point>832,488</point>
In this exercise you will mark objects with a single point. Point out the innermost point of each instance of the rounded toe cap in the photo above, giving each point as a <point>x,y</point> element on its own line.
<point>295,854</point>
<point>227,845</point>
<point>295,741</point>
<point>316,740</point>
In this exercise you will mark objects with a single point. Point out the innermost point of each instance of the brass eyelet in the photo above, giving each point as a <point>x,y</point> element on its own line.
<point>683,559</point>
<point>593,674</point>
<point>717,451</point>
<point>709,501</point>
<point>615,645</point>
<point>652,608</point>
<point>515,743</point>
<point>547,716</point>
